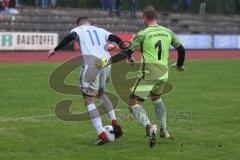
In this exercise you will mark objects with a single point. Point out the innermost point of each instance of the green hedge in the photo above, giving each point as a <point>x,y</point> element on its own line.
<point>213,6</point>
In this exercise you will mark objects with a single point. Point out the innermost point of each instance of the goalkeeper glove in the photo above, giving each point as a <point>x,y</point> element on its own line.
<point>101,63</point>
<point>179,68</point>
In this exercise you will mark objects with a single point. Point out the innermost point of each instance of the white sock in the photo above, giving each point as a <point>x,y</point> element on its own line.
<point>95,117</point>
<point>140,115</point>
<point>160,113</point>
<point>108,107</point>
<point>112,115</point>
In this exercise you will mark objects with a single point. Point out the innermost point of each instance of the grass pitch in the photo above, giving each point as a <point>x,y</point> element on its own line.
<point>203,112</point>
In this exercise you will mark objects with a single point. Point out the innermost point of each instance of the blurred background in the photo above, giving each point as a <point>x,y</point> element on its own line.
<point>200,24</point>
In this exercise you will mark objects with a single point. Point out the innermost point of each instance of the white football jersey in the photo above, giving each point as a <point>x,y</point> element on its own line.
<point>92,41</point>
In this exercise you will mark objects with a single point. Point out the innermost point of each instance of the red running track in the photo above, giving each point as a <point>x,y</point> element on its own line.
<point>34,57</point>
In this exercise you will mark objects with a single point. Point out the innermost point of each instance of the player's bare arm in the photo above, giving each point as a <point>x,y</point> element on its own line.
<point>66,40</point>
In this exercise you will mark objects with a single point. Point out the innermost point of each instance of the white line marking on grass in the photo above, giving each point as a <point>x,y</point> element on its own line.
<point>40,118</point>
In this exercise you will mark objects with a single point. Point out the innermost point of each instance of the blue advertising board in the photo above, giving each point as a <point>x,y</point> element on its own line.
<point>226,42</point>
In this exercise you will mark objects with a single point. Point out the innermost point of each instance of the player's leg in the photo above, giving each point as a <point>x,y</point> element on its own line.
<point>141,90</point>
<point>141,116</point>
<point>89,91</point>
<point>159,107</point>
<point>160,111</point>
<point>106,102</point>
<point>135,106</point>
<point>95,118</point>
<point>108,107</point>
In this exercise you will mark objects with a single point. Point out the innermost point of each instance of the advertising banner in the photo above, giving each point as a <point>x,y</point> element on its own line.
<point>226,42</point>
<point>27,41</point>
<point>196,41</point>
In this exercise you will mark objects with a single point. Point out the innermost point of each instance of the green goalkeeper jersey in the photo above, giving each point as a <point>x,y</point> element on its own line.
<point>155,42</point>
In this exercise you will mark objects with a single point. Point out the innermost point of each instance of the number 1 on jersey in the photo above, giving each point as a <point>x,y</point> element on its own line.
<point>159,46</point>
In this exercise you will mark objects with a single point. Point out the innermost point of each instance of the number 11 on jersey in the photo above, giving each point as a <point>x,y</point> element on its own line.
<point>91,37</point>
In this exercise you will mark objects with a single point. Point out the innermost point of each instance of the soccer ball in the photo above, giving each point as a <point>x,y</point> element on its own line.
<point>110,133</point>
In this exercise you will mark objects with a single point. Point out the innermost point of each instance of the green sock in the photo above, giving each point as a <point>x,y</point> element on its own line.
<point>140,115</point>
<point>160,113</point>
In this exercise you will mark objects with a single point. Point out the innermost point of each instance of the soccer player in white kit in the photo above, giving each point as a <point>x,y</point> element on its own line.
<point>92,41</point>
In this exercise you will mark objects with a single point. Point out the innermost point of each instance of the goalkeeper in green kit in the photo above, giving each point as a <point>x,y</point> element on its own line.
<point>154,42</point>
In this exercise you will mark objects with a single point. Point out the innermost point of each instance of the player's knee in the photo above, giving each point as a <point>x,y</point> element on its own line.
<point>135,100</point>
<point>131,103</point>
<point>100,93</point>
<point>88,99</point>
<point>154,97</point>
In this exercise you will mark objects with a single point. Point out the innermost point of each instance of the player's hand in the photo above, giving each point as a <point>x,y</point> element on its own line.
<point>51,53</point>
<point>179,68</point>
<point>101,63</point>
<point>124,45</point>
<point>131,60</point>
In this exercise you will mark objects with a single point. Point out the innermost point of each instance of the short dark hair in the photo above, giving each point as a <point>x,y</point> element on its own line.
<point>150,13</point>
<point>82,20</point>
